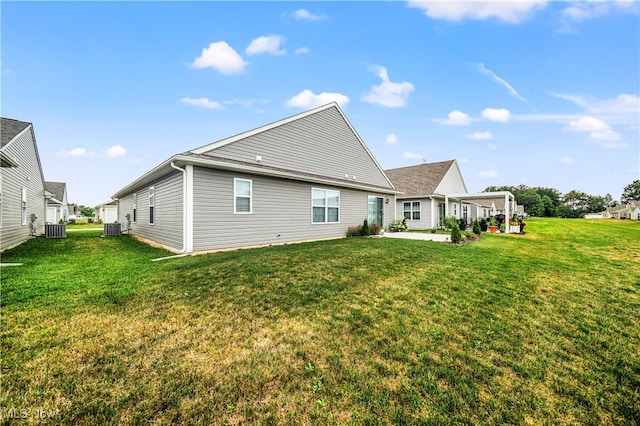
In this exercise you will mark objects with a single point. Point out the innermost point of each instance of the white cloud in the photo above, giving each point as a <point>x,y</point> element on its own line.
<point>388,93</point>
<point>302,50</point>
<point>567,160</point>
<point>202,103</point>
<point>605,135</point>
<point>480,136</point>
<point>221,57</point>
<point>598,130</point>
<point>622,104</point>
<point>308,99</point>
<point>305,15</point>
<point>463,161</point>
<point>500,81</point>
<point>115,151</point>
<point>391,139</point>
<point>74,152</point>
<point>457,118</point>
<point>494,114</point>
<point>266,44</point>
<point>412,155</point>
<point>511,12</point>
<point>488,173</point>
<point>587,124</point>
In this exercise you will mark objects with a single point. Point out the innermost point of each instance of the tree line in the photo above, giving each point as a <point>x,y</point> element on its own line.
<point>549,202</point>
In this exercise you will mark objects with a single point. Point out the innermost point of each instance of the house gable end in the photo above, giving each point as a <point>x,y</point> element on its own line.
<point>452,182</point>
<point>320,142</point>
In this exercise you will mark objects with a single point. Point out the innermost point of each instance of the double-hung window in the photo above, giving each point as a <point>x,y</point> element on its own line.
<point>243,192</point>
<point>152,204</point>
<point>24,206</point>
<point>325,205</point>
<point>411,210</point>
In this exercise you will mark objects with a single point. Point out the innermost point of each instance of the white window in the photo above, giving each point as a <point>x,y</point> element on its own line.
<point>411,210</point>
<point>152,204</point>
<point>243,192</point>
<point>135,207</point>
<point>24,206</point>
<point>325,205</point>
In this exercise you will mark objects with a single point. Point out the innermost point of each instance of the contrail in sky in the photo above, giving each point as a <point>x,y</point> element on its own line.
<point>500,81</point>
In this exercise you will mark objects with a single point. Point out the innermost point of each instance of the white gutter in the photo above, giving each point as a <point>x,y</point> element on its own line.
<point>184,206</point>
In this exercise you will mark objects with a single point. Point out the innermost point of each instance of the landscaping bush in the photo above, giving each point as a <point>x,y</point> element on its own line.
<point>455,234</point>
<point>374,229</point>
<point>354,231</point>
<point>433,230</point>
<point>476,227</point>
<point>448,222</point>
<point>399,225</point>
<point>365,229</point>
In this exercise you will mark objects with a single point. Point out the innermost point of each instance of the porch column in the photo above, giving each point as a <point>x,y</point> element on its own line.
<point>446,205</point>
<point>433,213</point>
<point>507,213</point>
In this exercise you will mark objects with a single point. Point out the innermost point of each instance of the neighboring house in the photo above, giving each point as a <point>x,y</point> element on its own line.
<point>306,177</point>
<point>22,193</point>
<point>57,204</point>
<point>432,191</point>
<point>107,211</point>
<point>624,211</point>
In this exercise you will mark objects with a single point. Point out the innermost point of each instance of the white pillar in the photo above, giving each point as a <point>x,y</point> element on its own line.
<point>507,213</point>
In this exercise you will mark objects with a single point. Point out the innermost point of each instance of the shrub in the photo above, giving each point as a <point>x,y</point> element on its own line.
<point>433,230</point>
<point>468,235</point>
<point>354,231</point>
<point>365,229</point>
<point>399,225</point>
<point>476,227</point>
<point>448,222</point>
<point>455,234</point>
<point>374,229</point>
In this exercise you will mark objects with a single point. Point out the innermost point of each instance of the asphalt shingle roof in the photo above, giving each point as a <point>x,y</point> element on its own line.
<point>422,179</point>
<point>9,129</point>
<point>56,188</point>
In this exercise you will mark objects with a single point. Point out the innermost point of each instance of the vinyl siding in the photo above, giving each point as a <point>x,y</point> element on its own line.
<point>452,182</point>
<point>322,143</point>
<point>281,211</point>
<point>167,228</point>
<point>425,213</point>
<point>29,176</point>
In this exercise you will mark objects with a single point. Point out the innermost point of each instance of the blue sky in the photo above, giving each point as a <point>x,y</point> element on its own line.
<point>536,93</point>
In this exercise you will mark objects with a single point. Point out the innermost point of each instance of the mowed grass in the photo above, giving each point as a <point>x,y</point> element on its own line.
<point>542,328</point>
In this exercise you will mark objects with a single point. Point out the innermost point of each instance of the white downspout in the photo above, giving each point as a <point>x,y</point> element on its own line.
<point>184,206</point>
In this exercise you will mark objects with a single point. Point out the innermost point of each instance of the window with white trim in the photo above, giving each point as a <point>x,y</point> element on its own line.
<point>411,210</point>
<point>135,207</point>
<point>325,205</point>
<point>152,204</point>
<point>24,206</point>
<point>243,193</point>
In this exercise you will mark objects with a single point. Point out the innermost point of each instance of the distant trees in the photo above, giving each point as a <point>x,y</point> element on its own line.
<point>631,192</point>
<point>549,202</point>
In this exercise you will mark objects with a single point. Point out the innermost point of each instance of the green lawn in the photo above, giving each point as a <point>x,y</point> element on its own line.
<point>542,328</point>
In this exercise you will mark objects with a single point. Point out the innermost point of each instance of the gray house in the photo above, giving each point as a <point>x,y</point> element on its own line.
<point>432,191</point>
<point>306,177</point>
<point>22,193</point>
<point>57,204</point>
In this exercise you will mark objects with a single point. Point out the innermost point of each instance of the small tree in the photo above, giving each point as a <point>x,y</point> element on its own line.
<point>476,227</point>
<point>456,236</point>
<point>631,192</point>
<point>365,228</point>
